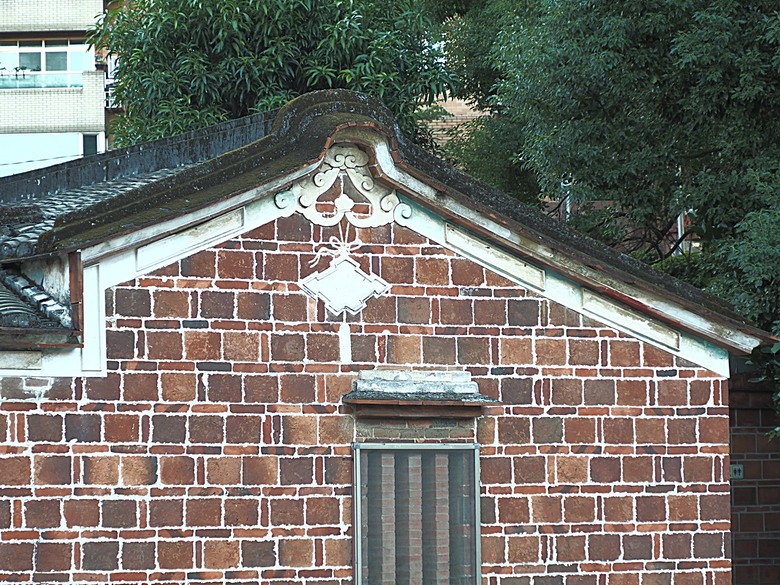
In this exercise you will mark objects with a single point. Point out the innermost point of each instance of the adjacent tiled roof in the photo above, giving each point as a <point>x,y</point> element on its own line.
<point>25,305</point>
<point>23,223</point>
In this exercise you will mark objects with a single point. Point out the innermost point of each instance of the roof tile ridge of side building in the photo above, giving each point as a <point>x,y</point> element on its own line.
<point>173,151</point>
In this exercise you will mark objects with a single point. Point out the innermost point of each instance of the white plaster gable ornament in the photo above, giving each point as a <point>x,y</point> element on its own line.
<point>343,286</point>
<point>342,164</point>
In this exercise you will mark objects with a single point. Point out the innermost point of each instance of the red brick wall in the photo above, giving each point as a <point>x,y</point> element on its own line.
<point>755,514</point>
<point>217,447</point>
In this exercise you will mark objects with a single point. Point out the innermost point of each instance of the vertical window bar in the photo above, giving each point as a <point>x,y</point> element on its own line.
<point>417,514</point>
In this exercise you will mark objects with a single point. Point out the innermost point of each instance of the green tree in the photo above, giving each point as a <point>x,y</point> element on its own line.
<point>639,111</point>
<point>185,64</point>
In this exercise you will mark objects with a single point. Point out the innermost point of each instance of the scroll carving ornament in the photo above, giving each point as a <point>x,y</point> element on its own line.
<point>344,163</point>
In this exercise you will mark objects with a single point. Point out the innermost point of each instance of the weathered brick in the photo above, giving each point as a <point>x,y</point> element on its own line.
<point>517,390</point>
<point>433,271</point>
<point>133,302</point>
<point>166,512</point>
<point>546,509</point>
<point>223,470</point>
<point>217,305</point>
<point>604,547</point>
<point>323,348</point>
<point>281,267</point>
<point>16,556</point>
<point>548,429</point>
<point>296,552</point>
<point>203,264</point>
<point>243,429</point>
<point>122,428</point>
<point>241,512</point>
<point>203,512</point>
<point>550,351</point>
<point>438,350</point>
<point>139,470</point>
<point>323,510</point>
<point>175,554</point>
<point>605,469</point>
<point>120,344</point>
<point>583,352</point>
<point>221,554</point>
<point>637,547</point>
<point>164,345</point>
<point>119,513</point>
<point>650,508</point>
<point>296,471</point>
<point>202,345</point>
<point>223,388</point>
<point>206,429</point>
<point>473,350</point>
<point>263,470</point>
<point>100,470</point>
<point>44,513</point>
<point>414,310</point>
<point>235,264</point>
<point>261,389</point>
<point>140,388</point>
<point>44,427</point>
<point>516,350</point>
<point>52,469</point>
<point>288,347</point>
<point>570,548</point>
<point>178,387</point>
<point>530,469</point>
<point>287,511</point>
<point>81,512</point>
<point>100,556</point>
<point>53,556</point>
<point>676,546</point>
<point>258,553</point>
<point>513,430</point>
<point>171,304</point>
<point>523,312</point>
<point>138,555</point>
<point>104,389</point>
<point>523,549</point>
<point>298,388</point>
<point>169,428</point>
<point>403,349</point>
<point>253,306</point>
<point>177,470</point>
<point>466,272</point>
<point>290,307</point>
<point>397,269</point>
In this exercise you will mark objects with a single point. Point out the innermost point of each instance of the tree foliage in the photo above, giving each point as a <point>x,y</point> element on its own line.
<point>184,64</point>
<point>639,111</point>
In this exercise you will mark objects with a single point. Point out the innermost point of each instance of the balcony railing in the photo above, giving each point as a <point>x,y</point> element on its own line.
<point>41,80</point>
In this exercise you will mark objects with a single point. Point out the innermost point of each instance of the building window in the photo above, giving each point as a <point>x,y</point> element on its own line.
<point>417,514</point>
<point>89,144</point>
<point>41,64</point>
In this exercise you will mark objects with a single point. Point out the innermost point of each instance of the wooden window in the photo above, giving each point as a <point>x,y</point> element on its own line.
<point>417,514</point>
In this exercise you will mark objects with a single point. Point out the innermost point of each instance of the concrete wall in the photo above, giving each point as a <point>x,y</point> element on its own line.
<point>48,15</point>
<point>217,447</point>
<point>54,110</point>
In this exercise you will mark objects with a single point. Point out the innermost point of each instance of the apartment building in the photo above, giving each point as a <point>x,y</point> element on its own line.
<point>52,102</point>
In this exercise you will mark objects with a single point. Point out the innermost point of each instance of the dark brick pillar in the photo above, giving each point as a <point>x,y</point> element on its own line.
<point>755,500</point>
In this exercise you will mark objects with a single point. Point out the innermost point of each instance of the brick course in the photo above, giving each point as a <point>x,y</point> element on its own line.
<point>218,444</point>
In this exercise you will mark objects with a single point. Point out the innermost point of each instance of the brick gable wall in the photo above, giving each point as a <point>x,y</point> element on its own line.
<point>217,448</point>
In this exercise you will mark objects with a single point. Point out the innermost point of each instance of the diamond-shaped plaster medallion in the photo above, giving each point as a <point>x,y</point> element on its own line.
<point>343,286</point>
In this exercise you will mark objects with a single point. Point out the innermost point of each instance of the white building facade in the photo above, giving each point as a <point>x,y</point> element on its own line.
<point>52,100</point>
